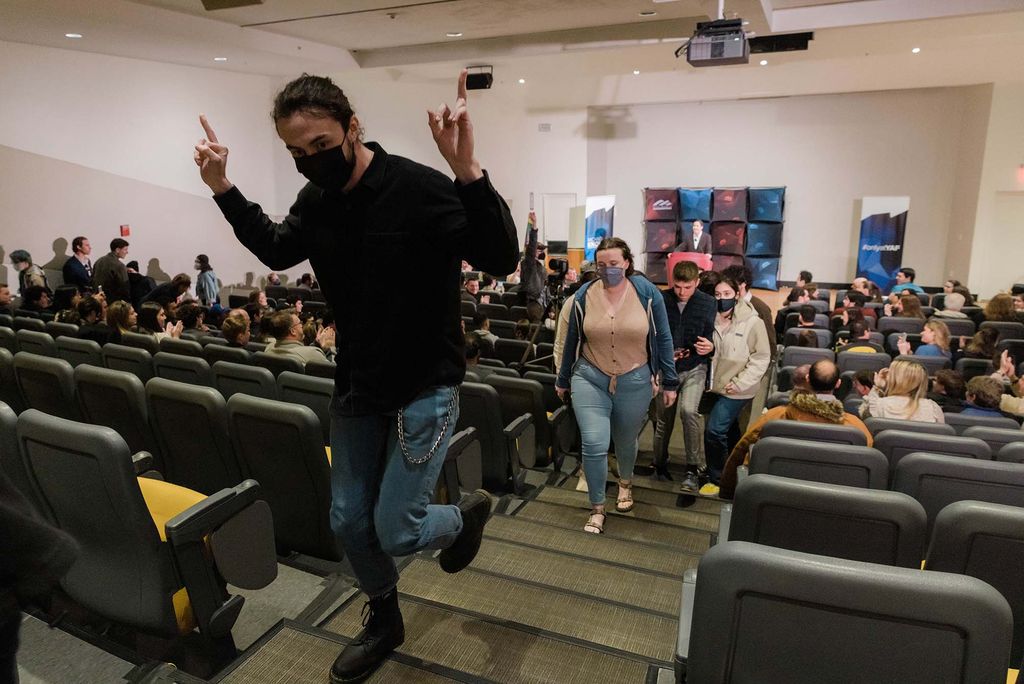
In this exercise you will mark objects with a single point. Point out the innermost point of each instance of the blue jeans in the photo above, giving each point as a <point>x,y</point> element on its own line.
<point>381,502</point>
<point>603,416</point>
<point>716,433</point>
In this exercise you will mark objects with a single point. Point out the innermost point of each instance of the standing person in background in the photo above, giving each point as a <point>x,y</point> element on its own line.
<point>111,275</point>
<point>617,345</point>
<point>77,269</point>
<point>138,284</point>
<point>206,282</point>
<point>742,276</point>
<point>169,293</point>
<point>691,318</point>
<point>532,293</point>
<point>29,274</point>
<point>695,239</point>
<point>390,422</point>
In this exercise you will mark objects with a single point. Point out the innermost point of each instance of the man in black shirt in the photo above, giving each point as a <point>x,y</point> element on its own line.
<point>396,399</point>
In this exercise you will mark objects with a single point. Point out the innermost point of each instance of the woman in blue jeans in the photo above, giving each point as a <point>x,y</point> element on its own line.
<point>742,356</point>
<point>618,343</point>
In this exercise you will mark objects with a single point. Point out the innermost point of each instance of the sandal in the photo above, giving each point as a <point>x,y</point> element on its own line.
<point>624,502</point>
<point>593,525</point>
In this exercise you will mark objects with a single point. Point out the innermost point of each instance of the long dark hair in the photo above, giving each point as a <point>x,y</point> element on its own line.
<point>317,95</point>
<point>617,243</point>
<point>147,317</point>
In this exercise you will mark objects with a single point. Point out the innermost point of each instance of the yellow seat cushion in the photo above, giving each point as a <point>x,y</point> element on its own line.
<point>1011,677</point>
<point>164,501</point>
<point>328,451</point>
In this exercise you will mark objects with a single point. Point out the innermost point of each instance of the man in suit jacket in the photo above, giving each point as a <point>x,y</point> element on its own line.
<point>78,268</point>
<point>695,239</point>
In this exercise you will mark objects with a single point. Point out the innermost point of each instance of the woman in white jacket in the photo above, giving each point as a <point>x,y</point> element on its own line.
<point>742,356</point>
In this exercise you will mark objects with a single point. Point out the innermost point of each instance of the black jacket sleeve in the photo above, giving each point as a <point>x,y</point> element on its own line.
<point>277,245</point>
<point>473,220</point>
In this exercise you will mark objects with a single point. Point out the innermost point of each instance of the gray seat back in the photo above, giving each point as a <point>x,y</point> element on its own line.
<point>278,363</point>
<point>958,327</point>
<point>519,396</point>
<point>321,369</point>
<point>877,425</point>
<point>219,352</point>
<point>798,356</point>
<point>26,323</point>
<point>86,482</point>
<point>874,526</point>
<point>132,360</point>
<point>233,378</point>
<point>117,400</point>
<point>984,540</point>
<point>35,342</point>
<point>10,393</point>
<point>852,404</point>
<point>815,432</point>
<point>547,381</point>
<point>888,324</point>
<point>11,464</point>
<point>182,346</point>
<point>47,384</point>
<point>1008,330</point>
<point>511,351</point>
<point>896,444</point>
<point>141,341</point>
<point>757,608</point>
<point>792,337</point>
<point>281,446</point>
<point>309,391</point>
<point>188,369</point>
<point>961,422</point>
<point>855,361</point>
<point>480,408</point>
<point>932,364</point>
<point>829,463</point>
<point>9,340</point>
<point>57,330</point>
<point>937,480</point>
<point>970,368</point>
<point>996,438</point>
<point>1011,453</point>
<point>191,427</point>
<point>77,352</point>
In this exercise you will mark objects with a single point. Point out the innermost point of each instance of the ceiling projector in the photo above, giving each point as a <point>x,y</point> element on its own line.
<point>717,43</point>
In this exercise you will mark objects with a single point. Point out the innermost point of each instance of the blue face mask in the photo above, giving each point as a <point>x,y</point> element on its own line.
<point>611,275</point>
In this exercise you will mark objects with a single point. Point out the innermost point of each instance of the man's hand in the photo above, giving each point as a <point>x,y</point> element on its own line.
<point>212,159</point>
<point>703,346</point>
<point>669,397</point>
<point>453,133</point>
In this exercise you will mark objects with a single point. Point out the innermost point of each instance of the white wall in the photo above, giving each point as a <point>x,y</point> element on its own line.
<point>827,150</point>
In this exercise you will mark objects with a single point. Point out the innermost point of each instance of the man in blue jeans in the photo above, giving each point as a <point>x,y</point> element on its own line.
<point>363,214</point>
<point>691,317</point>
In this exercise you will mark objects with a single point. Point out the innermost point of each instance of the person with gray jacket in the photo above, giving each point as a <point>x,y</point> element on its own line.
<point>742,357</point>
<point>206,284</point>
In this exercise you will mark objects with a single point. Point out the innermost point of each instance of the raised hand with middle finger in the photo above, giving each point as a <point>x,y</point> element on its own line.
<point>212,159</point>
<point>452,131</point>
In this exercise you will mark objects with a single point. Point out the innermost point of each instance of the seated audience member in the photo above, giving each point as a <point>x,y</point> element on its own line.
<point>947,287</point>
<point>804,279</point>
<point>235,328</point>
<point>473,357</point>
<point>152,320</point>
<point>139,285</point>
<point>68,316</point>
<point>863,381</point>
<point>66,297</point>
<point>93,324</point>
<point>849,317</point>
<point>984,397</point>
<point>1012,402</point>
<point>257,314</point>
<point>1000,308</point>
<point>471,290</point>
<point>934,341</point>
<point>816,405</point>
<point>1018,302</point>
<point>968,297</point>
<point>286,328</point>
<point>121,318</point>
<point>258,297</point>
<point>795,301</point>
<point>981,346</point>
<point>36,299</point>
<point>273,279</point>
<point>306,280</point>
<point>860,340</point>
<point>899,393</point>
<point>907,306</point>
<point>951,307</point>
<point>482,328</point>
<point>192,316</point>
<point>801,379</point>
<point>948,390</point>
<point>490,284</point>
<point>807,314</point>
<point>874,292</point>
<point>524,331</point>
<point>169,291</point>
<point>861,285</point>
<point>851,301</point>
<point>807,338</point>
<point>5,299</point>
<point>905,282</point>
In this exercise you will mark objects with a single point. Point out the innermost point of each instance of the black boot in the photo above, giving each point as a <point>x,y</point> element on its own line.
<point>384,632</point>
<point>476,509</point>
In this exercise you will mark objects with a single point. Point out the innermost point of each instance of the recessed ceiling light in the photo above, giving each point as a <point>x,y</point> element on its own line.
<point>648,13</point>
<point>454,34</point>
<point>522,81</point>
<point>636,72</point>
<point>72,35</point>
<point>916,50</point>
<point>746,23</point>
<point>220,59</point>
<point>764,62</point>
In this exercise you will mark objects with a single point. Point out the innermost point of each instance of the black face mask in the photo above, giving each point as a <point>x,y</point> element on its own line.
<point>327,169</point>
<point>726,305</point>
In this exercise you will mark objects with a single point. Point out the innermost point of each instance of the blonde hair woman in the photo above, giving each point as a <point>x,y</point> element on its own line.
<point>934,341</point>
<point>121,318</point>
<point>899,393</point>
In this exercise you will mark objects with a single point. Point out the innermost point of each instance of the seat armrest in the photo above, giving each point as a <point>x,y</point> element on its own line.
<point>686,615</point>
<point>724,521</point>
<point>195,522</point>
<point>459,442</point>
<point>741,473</point>
<point>518,426</point>
<point>142,462</point>
<point>557,417</point>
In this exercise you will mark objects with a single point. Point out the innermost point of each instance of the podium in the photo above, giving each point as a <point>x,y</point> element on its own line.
<point>702,260</point>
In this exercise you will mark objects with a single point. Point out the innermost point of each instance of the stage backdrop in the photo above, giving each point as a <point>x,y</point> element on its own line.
<point>883,221</point>
<point>745,225</point>
<point>599,223</point>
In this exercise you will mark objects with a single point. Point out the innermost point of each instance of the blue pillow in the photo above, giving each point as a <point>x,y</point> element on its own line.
<point>695,204</point>
<point>767,204</point>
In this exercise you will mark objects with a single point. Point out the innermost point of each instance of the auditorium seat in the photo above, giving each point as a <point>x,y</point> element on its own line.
<point>814,432</point>
<point>11,464</point>
<point>513,351</point>
<point>47,384</point>
<point>961,422</point>
<point>855,361</point>
<point>183,347</point>
<point>7,321</point>
<point>793,319</point>
<point>776,399</point>
<point>296,294</point>
<point>27,323</point>
<point>233,378</point>
<point>792,337</point>
<point>852,404</point>
<point>1008,330</point>
<point>493,363</point>
<point>57,330</point>
<point>128,359</point>
<point>825,462</point>
<point>153,557</point>
<point>191,427</point>
<point>896,444</point>
<point>276,292</point>
<point>996,438</point>
<point>901,324</point>
<point>504,447</point>
<point>117,400</point>
<point>78,352</point>
<point>970,368</point>
<point>547,381</point>
<point>462,468</point>
<point>187,369</point>
<point>310,391</point>
<point>877,425</point>
<point>9,340</point>
<point>932,364</point>
<point>505,330</point>
<point>141,341</point>
<point>518,313</point>
<point>278,363</point>
<point>520,396</point>
<point>220,352</point>
<point>254,347</point>
<point>212,339</point>
<point>984,540</point>
<point>35,342</point>
<point>958,327</point>
<point>761,614</point>
<point>1011,453</point>
<point>468,308</point>
<point>321,369</point>
<point>870,525</point>
<point>498,312</point>
<point>10,393</point>
<point>798,356</point>
<point>280,445</point>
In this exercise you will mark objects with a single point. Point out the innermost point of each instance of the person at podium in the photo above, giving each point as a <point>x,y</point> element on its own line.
<point>695,239</point>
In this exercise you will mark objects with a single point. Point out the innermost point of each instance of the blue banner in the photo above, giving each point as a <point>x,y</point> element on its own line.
<point>880,250</point>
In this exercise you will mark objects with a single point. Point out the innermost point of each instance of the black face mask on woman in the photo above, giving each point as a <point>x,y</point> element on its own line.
<point>726,305</point>
<point>327,169</point>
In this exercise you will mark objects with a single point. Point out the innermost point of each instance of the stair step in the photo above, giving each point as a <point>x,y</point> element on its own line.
<point>705,522</point>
